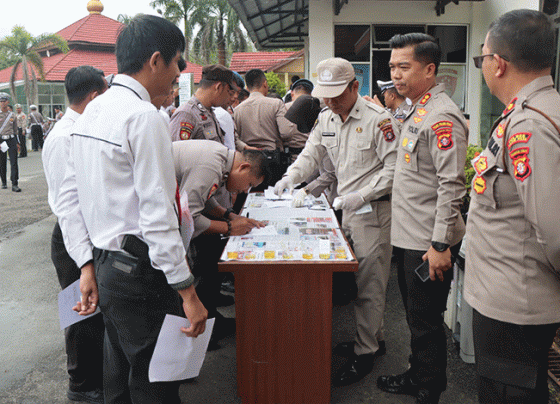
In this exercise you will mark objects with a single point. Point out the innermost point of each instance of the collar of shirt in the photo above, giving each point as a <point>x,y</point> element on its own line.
<point>533,87</point>
<point>132,84</point>
<point>70,115</point>
<point>228,165</point>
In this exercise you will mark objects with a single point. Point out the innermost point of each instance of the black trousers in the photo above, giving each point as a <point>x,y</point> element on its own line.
<point>511,360</point>
<point>208,249</point>
<point>22,142</point>
<point>424,304</point>
<point>36,137</point>
<point>134,305</point>
<point>13,153</point>
<point>84,340</point>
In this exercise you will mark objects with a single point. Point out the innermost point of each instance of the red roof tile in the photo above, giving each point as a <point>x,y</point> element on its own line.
<point>242,62</point>
<point>94,28</point>
<point>195,69</point>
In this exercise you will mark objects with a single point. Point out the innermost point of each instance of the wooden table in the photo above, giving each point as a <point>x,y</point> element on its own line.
<point>284,319</point>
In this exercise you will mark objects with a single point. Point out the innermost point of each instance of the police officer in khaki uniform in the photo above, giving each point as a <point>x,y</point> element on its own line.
<point>260,123</point>
<point>235,171</point>
<point>513,238</point>
<point>195,119</point>
<point>22,135</point>
<point>8,134</point>
<point>426,223</point>
<point>396,104</point>
<point>360,139</point>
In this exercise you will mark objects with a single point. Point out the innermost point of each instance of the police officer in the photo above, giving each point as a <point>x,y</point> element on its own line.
<point>22,135</point>
<point>395,103</point>
<point>36,122</point>
<point>195,119</point>
<point>426,222</point>
<point>119,197</point>
<point>513,243</point>
<point>9,136</point>
<point>360,139</point>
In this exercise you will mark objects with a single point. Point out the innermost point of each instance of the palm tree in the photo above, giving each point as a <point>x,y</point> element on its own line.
<point>177,11</point>
<point>23,47</point>
<point>220,32</point>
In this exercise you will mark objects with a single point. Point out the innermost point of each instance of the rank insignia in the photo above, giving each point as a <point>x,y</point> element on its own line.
<point>359,129</point>
<point>203,117</point>
<point>479,185</point>
<point>186,130</point>
<point>481,164</point>
<point>500,130</point>
<point>521,167</point>
<point>443,130</point>
<point>417,119</point>
<point>425,99</point>
<point>522,137</point>
<point>510,107</point>
<point>212,190</point>
<point>407,157</point>
<point>421,112</point>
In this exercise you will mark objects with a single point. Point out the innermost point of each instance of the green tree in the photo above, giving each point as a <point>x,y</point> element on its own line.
<point>275,85</point>
<point>124,18</point>
<point>220,32</point>
<point>185,11</point>
<point>22,47</point>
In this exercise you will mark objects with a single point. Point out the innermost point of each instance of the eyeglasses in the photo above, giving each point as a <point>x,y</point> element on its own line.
<point>478,59</point>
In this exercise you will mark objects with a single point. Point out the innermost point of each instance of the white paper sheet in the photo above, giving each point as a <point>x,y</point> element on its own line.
<point>4,147</point>
<point>67,299</point>
<point>177,356</point>
<point>269,194</point>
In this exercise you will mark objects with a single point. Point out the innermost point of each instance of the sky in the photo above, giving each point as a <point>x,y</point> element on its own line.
<point>48,17</point>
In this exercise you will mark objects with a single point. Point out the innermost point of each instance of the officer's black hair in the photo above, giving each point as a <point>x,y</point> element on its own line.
<point>82,80</point>
<point>243,95</point>
<point>302,87</point>
<point>525,38</point>
<point>254,78</point>
<point>426,48</point>
<point>258,161</point>
<point>142,37</point>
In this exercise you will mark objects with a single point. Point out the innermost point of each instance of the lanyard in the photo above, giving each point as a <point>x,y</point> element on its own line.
<point>122,85</point>
<point>6,121</point>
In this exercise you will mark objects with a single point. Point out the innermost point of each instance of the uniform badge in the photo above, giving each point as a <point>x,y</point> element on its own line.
<point>186,130</point>
<point>522,137</point>
<point>425,99</point>
<point>417,119</point>
<point>421,112</point>
<point>481,164</point>
<point>479,185</point>
<point>510,107</point>
<point>407,157</point>
<point>387,129</point>
<point>500,130</point>
<point>404,142</point>
<point>212,190</point>
<point>359,129</point>
<point>521,167</point>
<point>443,130</point>
<point>203,117</point>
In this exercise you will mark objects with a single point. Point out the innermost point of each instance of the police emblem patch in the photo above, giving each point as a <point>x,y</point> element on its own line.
<point>480,164</point>
<point>479,185</point>
<point>443,130</point>
<point>521,137</point>
<point>520,160</point>
<point>186,130</point>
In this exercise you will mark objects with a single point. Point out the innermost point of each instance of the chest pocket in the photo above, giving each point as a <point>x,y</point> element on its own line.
<point>210,133</point>
<point>484,182</point>
<point>361,151</point>
<point>331,144</point>
<point>409,151</point>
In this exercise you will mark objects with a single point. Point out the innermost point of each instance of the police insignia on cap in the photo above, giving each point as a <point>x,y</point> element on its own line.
<point>479,185</point>
<point>326,75</point>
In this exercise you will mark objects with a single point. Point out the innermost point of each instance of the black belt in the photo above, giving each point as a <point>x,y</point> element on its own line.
<point>383,198</point>
<point>295,150</point>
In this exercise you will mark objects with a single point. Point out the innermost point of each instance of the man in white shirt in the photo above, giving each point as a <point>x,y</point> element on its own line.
<point>119,199</point>
<point>84,340</point>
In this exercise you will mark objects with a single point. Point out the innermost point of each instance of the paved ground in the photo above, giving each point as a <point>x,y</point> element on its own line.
<point>32,368</point>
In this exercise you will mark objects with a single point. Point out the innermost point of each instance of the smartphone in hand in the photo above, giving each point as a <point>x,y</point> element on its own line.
<point>423,271</point>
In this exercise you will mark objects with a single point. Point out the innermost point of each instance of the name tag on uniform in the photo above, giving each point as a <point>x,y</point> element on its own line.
<point>331,134</point>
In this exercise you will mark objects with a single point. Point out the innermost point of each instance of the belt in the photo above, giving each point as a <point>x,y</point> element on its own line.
<point>383,198</point>
<point>6,137</point>
<point>295,150</point>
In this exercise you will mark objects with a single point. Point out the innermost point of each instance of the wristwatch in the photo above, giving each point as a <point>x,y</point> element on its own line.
<point>439,247</point>
<point>228,212</point>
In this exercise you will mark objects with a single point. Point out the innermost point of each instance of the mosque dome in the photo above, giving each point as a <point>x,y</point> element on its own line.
<point>95,7</point>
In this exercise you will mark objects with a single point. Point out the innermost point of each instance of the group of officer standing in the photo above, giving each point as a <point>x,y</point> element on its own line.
<point>141,216</point>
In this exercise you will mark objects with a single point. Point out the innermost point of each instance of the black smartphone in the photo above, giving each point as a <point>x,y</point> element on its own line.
<point>423,271</point>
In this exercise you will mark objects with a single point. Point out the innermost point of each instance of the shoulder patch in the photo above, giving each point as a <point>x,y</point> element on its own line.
<point>186,130</point>
<point>521,137</point>
<point>520,160</point>
<point>387,128</point>
<point>212,190</point>
<point>425,99</point>
<point>443,131</point>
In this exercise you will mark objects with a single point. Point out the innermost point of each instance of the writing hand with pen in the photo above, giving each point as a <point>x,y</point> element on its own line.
<point>241,225</point>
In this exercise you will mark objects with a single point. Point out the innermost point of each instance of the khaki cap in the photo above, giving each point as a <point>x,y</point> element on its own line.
<point>333,75</point>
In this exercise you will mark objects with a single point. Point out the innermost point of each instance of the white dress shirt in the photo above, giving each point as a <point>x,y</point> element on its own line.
<point>55,153</point>
<point>120,180</point>
<point>225,119</point>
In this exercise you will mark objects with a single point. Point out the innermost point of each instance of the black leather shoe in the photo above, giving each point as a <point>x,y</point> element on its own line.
<point>228,286</point>
<point>346,349</point>
<point>4,186</point>
<point>357,367</point>
<point>93,397</point>
<point>15,188</point>
<point>398,384</point>
<point>426,396</point>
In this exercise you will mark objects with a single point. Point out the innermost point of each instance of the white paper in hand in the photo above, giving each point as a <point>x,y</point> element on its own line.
<point>4,147</point>
<point>67,299</point>
<point>177,356</point>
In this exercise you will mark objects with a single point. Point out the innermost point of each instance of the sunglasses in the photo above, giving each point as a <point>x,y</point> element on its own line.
<point>478,59</point>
